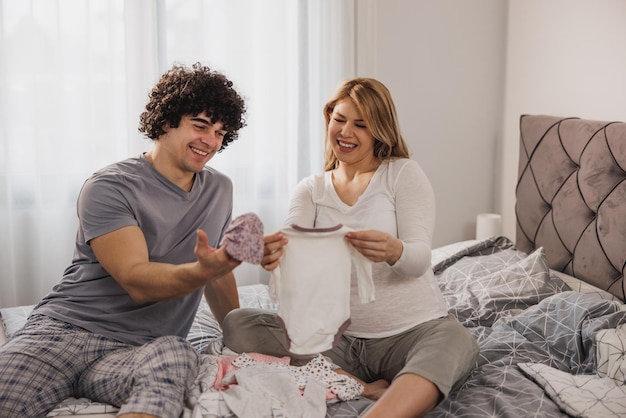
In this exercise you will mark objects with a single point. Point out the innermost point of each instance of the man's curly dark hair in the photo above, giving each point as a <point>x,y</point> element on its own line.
<point>185,91</point>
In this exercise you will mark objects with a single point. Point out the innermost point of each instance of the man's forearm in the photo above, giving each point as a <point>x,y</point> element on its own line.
<point>222,296</point>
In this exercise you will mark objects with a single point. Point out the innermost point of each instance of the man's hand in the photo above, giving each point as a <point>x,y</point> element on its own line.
<point>212,259</point>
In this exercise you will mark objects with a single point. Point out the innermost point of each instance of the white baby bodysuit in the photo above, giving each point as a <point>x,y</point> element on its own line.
<point>312,286</point>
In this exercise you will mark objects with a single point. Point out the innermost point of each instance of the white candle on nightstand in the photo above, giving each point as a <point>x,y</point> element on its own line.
<point>488,225</point>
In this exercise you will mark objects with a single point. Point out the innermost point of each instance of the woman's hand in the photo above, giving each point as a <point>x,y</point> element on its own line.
<point>377,246</point>
<point>273,250</point>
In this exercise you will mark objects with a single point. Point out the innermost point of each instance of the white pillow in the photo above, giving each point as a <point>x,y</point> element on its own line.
<point>14,318</point>
<point>3,334</point>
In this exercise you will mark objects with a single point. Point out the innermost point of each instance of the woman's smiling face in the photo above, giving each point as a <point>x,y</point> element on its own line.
<point>350,139</point>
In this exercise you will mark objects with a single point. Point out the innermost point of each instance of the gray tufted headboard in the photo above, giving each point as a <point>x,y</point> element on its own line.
<point>571,197</point>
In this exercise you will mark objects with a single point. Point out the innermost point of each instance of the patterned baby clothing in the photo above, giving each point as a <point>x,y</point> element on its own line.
<point>319,368</point>
<point>244,238</point>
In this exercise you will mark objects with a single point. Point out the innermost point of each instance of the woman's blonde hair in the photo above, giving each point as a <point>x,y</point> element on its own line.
<point>375,104</point>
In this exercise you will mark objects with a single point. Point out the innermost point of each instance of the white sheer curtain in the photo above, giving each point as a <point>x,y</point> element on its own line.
<point>74,76</point>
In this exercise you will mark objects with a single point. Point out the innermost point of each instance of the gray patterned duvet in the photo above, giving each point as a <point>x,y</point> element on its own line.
<point>524,319</point>
<point>539,339</point>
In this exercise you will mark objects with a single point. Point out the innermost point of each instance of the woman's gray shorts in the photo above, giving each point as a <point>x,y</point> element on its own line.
<point>440,350</point>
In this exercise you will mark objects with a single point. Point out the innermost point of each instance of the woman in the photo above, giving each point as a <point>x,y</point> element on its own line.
<point>404,348</point>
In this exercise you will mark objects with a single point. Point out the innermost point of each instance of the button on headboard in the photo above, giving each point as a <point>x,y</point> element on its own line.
<point>571,197</point>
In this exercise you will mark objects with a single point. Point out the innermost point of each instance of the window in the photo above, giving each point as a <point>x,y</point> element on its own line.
<point>75,76</point>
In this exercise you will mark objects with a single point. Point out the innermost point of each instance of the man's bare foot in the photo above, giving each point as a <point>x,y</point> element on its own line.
<point>375,389</point>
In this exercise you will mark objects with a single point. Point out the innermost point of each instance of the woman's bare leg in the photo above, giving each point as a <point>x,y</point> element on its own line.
<point>409,396</point>
<point>138,416</point>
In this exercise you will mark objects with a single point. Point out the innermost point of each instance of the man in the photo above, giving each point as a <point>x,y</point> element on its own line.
<point>113,329</point>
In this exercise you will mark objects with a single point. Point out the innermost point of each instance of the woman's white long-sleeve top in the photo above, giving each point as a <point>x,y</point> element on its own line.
<point>400,201</point>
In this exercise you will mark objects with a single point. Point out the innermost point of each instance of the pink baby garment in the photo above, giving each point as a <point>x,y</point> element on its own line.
<point>244,238</point>
<point>312,286</point>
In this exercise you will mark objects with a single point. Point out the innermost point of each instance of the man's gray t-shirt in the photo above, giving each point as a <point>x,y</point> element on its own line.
<point>133,193</point>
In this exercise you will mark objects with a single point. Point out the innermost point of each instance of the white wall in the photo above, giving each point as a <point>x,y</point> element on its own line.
<point>564,58</point>
<point>462,73</point>
<point>443,61</point>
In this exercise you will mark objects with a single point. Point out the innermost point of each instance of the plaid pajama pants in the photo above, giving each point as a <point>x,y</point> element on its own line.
<point>49,360</point>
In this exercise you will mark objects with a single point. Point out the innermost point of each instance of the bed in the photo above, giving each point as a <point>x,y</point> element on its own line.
<point>547,310</point>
